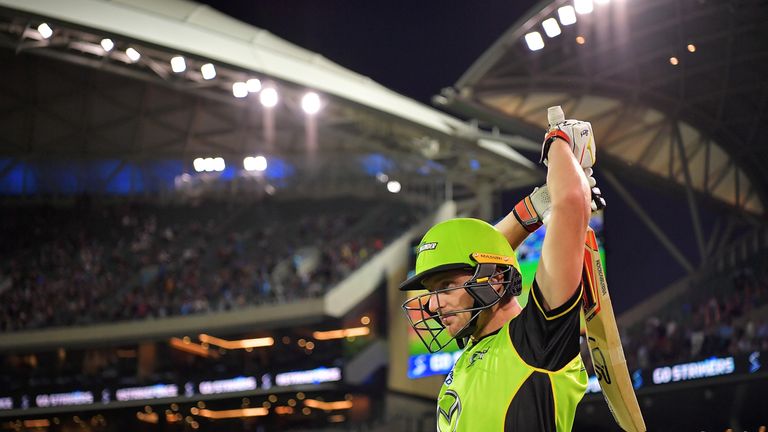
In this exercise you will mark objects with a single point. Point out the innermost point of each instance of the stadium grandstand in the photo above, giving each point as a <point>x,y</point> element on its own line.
<point>204,225</point>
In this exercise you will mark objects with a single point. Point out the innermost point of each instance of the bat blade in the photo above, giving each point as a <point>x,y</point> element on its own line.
<point>605,344</point>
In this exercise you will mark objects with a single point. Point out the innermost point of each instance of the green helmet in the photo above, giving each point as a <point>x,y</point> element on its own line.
<point>456,244</point>
<point>460,244</point>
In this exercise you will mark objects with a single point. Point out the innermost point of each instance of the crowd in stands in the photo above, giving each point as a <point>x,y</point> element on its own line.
<point>723,316</point>
<point>92,263</point>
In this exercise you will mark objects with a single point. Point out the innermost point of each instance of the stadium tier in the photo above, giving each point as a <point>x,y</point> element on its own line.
<point>104,263</point>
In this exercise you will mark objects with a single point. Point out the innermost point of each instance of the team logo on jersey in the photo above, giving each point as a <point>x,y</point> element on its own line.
<point>448,411</point>
<point>449,378</point>
<point>477,356</point>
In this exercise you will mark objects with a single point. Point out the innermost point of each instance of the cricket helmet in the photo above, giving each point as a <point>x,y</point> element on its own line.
<point>460,244</point>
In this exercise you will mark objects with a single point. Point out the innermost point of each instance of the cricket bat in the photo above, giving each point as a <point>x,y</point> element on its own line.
<point>605,344</point>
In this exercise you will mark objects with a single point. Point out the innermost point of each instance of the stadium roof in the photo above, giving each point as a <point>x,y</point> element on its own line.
<point>676,89</point>
<point>75,99</point>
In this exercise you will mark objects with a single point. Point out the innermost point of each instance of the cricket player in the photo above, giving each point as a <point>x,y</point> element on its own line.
<point>520,369</point>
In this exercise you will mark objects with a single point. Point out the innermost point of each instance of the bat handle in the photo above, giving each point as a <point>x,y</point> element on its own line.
<point>555,115</point>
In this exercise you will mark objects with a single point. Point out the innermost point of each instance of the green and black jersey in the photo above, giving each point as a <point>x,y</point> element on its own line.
<point>527,376</point>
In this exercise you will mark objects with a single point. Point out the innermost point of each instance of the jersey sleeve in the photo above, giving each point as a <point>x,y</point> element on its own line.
<point>547,339</point>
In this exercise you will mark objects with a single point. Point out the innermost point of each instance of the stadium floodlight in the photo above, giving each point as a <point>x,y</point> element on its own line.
<point>178,64</point>
<point>550,27</point>
<point>218,164</point>
<point>199,164</point>
<point>133,55</point>
<point>567,15</point>
<point>240,89</point>
<point>310,103</point>
<point>534,40</point>
<point>269,97</point>
<point>107,44</point>
<point>258,163</point>
<point>208,71</point>
<point>45,30</point>
<point>583,6</point>
<point>254,85</point>
<point>394,186</point>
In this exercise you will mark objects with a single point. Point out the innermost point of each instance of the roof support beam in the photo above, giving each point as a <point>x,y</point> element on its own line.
<point>689,191</point>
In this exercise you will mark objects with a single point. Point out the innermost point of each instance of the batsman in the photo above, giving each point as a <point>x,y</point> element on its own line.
<point>520,369</point>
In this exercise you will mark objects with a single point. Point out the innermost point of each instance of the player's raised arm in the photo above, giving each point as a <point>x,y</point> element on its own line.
<point>568,149</point>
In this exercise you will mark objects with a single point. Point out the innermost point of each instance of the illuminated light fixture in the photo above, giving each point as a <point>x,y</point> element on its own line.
<point>283,410</point>
<point>107,44</point>
<point>258,163</point>
<point>534,40</point>
<point>240,89</point>
<point>342,333</point>
<point>580,40</point>
<point>394,186</point>
<point>268,97</point>
<point>365,320</point>
<point>673,61</point>
<point>178,64</point>
<point>382,177</point>
<point>310,103</point>
<point>235,413</point>
<point>41,423</point>
<point>199,165</point>
<point>45,30</point>
<point>237,344</point>
<point>151,418</point>
<point>192,348</point>
<point>691,48</point>
<point>133,55</point>
<point>208,71</point>
<point>254,85</point>
<point>567,15</point>
<point>218,164</point>
<point>550,27</point>
<point>583,6</point>
<point>328,406</point>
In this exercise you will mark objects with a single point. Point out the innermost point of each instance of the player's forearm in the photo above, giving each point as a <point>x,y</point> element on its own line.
<point>512,230</point>
<point>568,187</point>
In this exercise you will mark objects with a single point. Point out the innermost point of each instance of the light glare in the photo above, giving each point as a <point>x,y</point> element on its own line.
<point>199,164</point>
<point>534,40</point>
<point>567,15</point>
<point>45,30</point>
<point>208,71</point>
<point>583,6</point>
<point>550,27</point>
<point>240,89</point>
<point>218,164</point>
<point>178,64</point>
<point>394,186</point>
<point>268,97</point>
<point>310,103</point>
<point>258,163</point>
<point>133,54</point>
<point>254,85</point>
<point>107,44</point>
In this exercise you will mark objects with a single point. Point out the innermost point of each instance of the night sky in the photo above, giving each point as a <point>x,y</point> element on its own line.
<point>413,47</point>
